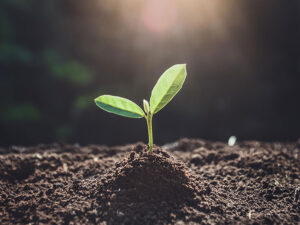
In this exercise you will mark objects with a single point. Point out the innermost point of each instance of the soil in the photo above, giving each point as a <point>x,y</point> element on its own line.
<point>190,181</point>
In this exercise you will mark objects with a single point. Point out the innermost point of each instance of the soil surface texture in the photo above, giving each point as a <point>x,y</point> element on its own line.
<point>190,181</point>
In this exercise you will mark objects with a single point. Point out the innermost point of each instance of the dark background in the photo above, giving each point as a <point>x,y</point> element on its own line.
<point>56,56</point>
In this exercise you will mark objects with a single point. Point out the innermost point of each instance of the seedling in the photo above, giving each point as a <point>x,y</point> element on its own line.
<point>164,90</point>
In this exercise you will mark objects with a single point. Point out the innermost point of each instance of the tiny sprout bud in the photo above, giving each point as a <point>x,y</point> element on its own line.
<point>146,106</point>
<point>232,140</point>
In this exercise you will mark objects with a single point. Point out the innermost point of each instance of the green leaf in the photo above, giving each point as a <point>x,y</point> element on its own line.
<point>167,87</point>
<point>119,106</point>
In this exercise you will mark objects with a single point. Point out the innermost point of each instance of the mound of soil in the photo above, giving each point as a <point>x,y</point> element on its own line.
<point>146,187</point>
<point>187,182</point>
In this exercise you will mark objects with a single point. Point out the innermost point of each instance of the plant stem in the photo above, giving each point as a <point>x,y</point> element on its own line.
<point>150,135</point>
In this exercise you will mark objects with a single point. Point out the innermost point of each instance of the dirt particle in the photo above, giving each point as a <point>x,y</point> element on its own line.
<point>277,191</point>
<point>196,159</point>
<point>231,156</point>
<point>131,156</point>
<point>211,157</point>
<point>297,194</point>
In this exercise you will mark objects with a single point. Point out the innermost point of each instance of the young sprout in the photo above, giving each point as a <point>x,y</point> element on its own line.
<point>164,90</point>
<point>232,140</point>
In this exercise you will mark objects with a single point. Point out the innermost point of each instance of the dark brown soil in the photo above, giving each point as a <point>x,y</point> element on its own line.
<point>188,182</point>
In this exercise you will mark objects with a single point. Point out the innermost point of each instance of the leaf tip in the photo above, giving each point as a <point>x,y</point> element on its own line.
<point>183,65</point>
<point>96,99</point>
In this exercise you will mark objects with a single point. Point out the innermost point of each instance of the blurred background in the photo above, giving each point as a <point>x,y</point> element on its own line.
<point>56,56</point>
